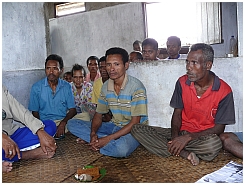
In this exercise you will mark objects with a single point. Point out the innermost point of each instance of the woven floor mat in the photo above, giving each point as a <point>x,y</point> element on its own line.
<point>68,157</point>
<point>140,166</point>
<point>143,166</point>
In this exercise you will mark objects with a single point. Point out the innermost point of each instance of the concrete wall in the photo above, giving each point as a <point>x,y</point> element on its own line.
<point>24,47</point>
<point>76,37</point>
<point>159,78</point>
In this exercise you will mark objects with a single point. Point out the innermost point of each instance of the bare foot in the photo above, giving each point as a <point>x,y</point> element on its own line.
<point>193,158</point>
<point>79,140</point>
<point>6,167</point>
<point>37,154</point>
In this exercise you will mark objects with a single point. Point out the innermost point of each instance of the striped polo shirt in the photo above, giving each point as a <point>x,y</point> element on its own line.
<point>131,101</point>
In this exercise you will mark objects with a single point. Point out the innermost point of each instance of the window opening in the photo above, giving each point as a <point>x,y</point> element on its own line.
<point>69,8</point>
<point>190,21</point>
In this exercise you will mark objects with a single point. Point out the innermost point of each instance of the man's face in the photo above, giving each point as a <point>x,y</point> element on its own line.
<point>103,71</point>
<point>149,53</point>
<point>115,67</point>
<point>78,78</point>
<point>137,47</point>
<point>93,66</point>
<point>133,57</point>
<point>196,67</point>
<point>53,70</point>
<point>68,78</point>
<point>173,49</point>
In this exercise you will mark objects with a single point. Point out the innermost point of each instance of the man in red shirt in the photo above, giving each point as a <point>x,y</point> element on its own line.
<point>203,104</point>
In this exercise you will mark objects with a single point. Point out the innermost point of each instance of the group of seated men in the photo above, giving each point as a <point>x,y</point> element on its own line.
<point>108,111</point>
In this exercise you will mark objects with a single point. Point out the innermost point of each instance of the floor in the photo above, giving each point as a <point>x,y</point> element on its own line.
<point>140,166</point>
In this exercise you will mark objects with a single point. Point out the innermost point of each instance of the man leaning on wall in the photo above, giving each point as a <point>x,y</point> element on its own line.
<point>203,104</point>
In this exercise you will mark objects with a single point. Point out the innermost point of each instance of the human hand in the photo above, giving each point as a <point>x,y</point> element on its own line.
<point>99,143</point>
<point>10,147</point>
<point>46,141</point>
<point>60,129</point>
<point>177,144</point>
<point>93,139</point>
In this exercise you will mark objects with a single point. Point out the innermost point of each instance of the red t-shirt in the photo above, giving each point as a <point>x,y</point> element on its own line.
<point>215,106</point>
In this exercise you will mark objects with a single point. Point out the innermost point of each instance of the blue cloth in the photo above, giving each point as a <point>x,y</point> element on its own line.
<point>239,135</point>
<point>51,105</point>
<point>121,147</point>
<point>24,137</point>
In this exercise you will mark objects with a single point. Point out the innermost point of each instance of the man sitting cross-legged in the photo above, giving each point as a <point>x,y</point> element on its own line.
<point>125,97</point>
<point>22,133</point>
<point>203,104</point>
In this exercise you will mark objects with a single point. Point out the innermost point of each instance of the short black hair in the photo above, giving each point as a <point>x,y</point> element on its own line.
<point>56,58</point>
<point>120,51</point>
<point>92,58</point>
<point>77,67</point>
<point>152,42</point>
<point>101,60</point>
<point>138,54</point>
<point>137,42</point>
<point>207,51</point>
<point>175,38</point>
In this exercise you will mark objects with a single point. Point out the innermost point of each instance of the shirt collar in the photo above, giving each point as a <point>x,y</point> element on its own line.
<point>47,84</point>
<point>174,58</point>
<point>216,84</point>
<point>111,83</point>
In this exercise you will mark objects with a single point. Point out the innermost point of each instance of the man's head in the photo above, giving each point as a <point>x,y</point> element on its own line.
<point>116,62</point>
<point>135,56</point>
<point>92,64</point>
<point>199,61</point>
<point>137,46</point>
<point>53,67</point>
<point>150,49</point>
<point>173,47</point>
<point>78,74</point>
<point>102,68</point>
<point>67,76</point>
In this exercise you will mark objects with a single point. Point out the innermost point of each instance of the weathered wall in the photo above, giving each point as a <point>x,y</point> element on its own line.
<point>23,37</point>
<point>159,78</point>
<point>76,37</point>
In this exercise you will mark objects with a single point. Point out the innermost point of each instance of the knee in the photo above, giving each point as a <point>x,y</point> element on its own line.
<point>50,127</point>
<point>224,137</point>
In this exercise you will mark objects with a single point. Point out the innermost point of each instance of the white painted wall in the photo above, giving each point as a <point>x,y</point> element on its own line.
<point>159,78</point>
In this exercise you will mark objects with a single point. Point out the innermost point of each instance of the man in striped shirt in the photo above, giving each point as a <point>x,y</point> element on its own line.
<point>123,95</point>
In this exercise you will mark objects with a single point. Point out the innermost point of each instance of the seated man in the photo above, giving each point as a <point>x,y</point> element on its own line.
<point>150,49</point>
<point>173,48</point>
<point>67,76</point>
<point>233,143</point>
<point>22,141</point>
<point>51,98</point>
<point>135,56</point>
<point>93,74</point>
<point>82,92</point>
<point>126,97</point>
<point>98,85</point>
<point>203,104</point>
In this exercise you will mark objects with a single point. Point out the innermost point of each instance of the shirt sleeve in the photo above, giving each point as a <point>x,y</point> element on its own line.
<point>34,99</point>
<point>102,106</point>
<point>226,111</point>
<point>70,98</point>
<point>96,92</point>
<point>21,114</point>
<point>139,103</point>
<point>176,100</point>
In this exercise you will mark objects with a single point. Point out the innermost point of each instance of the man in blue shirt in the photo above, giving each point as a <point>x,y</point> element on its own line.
<point>51,98</point>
